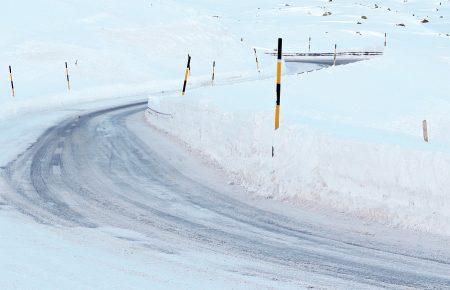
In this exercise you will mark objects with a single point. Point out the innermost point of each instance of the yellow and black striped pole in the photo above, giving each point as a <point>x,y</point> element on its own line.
<point>12,82</point>
<point>186,75</point>
<point>257,62</point>
<point>278,103</point>
<point>213,72</point>
<point>279,67</point>
<point>67,77</point>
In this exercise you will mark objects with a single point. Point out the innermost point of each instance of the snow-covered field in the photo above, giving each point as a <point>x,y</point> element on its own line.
<point>350,139</point>
<point>113,48</point>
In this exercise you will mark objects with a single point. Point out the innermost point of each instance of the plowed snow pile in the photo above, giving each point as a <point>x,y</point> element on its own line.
<point>350,136</point>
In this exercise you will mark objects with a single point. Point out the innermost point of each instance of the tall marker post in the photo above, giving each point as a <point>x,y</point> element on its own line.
<point>385,39</point>
<point>278,87</point>
<point>213,72</point>
<point>309,44</point>
<point>425,130</point>
<point>186,75</point>
<point>257,62</point>
<point>67,77</point>
<point>12,82</point>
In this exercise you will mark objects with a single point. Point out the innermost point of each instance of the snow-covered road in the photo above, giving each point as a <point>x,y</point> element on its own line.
<point>111,169</point>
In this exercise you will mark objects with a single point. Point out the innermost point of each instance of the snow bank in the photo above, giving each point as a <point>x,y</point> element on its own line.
<point>350,136</point>
<point>387,182</point>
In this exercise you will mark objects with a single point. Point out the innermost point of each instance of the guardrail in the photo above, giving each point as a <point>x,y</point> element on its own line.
<point>153,111</point>
<point>342,53</point>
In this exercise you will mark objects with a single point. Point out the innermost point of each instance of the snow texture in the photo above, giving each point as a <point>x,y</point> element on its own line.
<point>350,136</point>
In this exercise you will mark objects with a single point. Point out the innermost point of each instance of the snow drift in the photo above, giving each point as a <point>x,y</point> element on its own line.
<point>350,136</point>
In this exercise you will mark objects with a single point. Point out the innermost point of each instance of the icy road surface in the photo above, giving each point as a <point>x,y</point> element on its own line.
<point>110,169</point>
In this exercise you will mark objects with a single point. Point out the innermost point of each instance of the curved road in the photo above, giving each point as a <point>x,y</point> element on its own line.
<point>97,170</point>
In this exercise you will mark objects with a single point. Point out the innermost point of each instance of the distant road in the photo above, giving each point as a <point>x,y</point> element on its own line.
<point>327,58</point>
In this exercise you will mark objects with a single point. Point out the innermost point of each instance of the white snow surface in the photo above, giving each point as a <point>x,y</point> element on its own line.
<point>113,48</point>
<point>350,136</point>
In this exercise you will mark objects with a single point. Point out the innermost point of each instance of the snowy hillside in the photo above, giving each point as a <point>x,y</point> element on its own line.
<point>113,49</point>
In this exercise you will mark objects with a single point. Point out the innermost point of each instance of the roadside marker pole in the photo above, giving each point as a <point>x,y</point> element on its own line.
<point>425,130</point>
<point>279,67</point>
<point>257,62</point>
<point>213,72</point>
<point>385,39</point>
<point>12,82</point>
<point>309,45</point>
<point>278,103</point>
<point>67,77</point>
<point>186,75</point>
<point>335,52</point>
